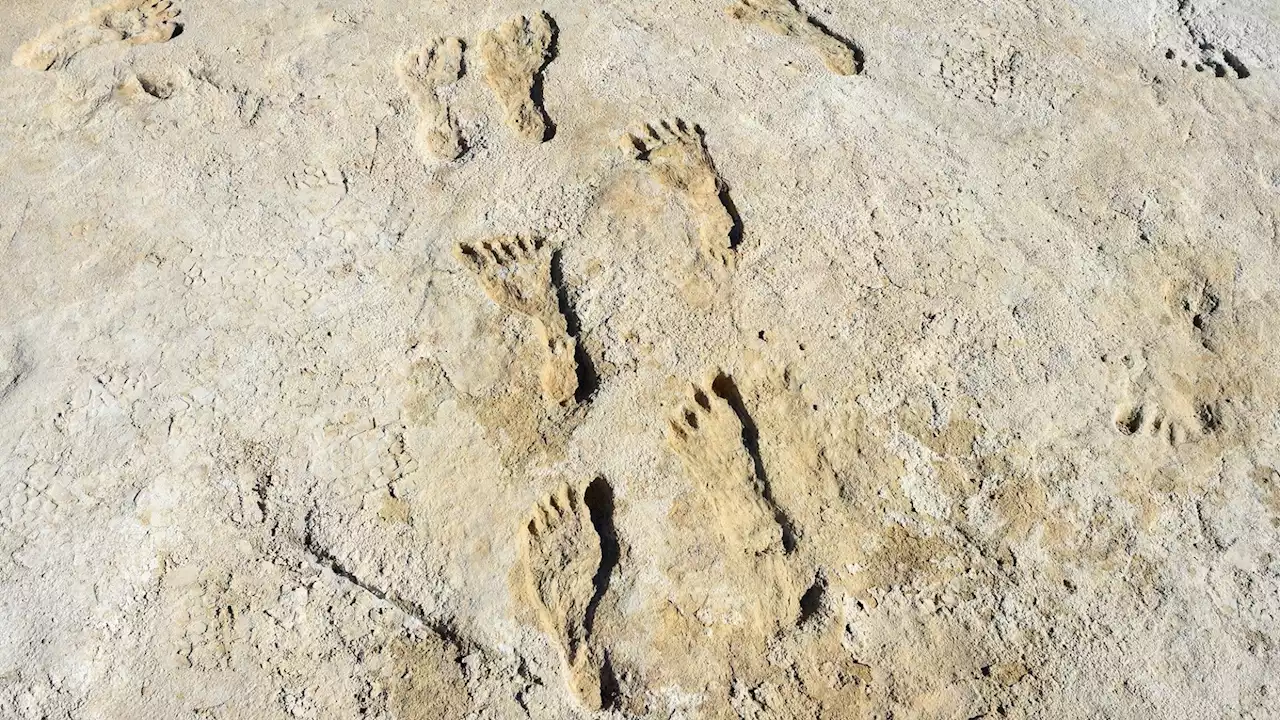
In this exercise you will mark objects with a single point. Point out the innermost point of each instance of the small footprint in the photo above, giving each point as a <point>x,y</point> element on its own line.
<point>677,156</point>
<point>422,73</point>
<point>515,272</point>
<point>424,676</point>
<point>1204,56</point>
<point>561,557</point>
<point>204,617</point>
<point>1192,305</point>
<point>33,503</point>
<point>706,434</point>
<point>136,22</point>
<point>784,18</point>
<point>1176,422</point>
<point>986,66</point>
<point>319,188</point>
<point>514,55</point>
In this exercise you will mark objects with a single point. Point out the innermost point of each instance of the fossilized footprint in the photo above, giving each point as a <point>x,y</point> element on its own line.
<point>783,17</point>
<point>1193,305</point>
<point>514,54</point>
<point>677,156</point>
<point>707,436</point>
<point>515,272</point>
<point>422,73</point>
<point>1180,419</point>
<point>561,555</point>
<point>1199,42</point>
<point>133,21</point>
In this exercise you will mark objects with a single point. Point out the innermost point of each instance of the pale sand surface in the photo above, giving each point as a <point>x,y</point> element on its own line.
<point>640,360</point>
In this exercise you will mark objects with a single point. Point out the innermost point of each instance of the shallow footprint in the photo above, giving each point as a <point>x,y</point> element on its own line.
<point>676,154</point>
<point>706,434</point>
<point>515,272</point>
<point>422,73</point>
<point>784,18</point>
<point>514,54</point>
<point>136,22</point>
<point>1181,421</point>
<point>561,556</point>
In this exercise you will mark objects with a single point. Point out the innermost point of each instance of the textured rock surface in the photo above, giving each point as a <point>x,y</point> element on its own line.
<point>947,390</point>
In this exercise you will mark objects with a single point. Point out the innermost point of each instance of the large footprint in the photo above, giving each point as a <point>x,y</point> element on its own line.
<point>515,272</point>
<point>706,434</point>
<point>136,22</point>
<point>422,73</point>
<point>784,18</point>
<point>677,156</point>
<point>561,555</point>
<point>514,54</point>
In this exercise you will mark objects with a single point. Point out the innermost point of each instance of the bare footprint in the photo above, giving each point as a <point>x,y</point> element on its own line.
<point>136,22</point>
<point>561,555</point>
<point>706,434</point>
<point>784,18</point>
<point>514,54</point>
<point>515,272</point>
<point>1199,45</point>
<point>677,156</point>
<point>1179,420</point>
<point>422,72</point>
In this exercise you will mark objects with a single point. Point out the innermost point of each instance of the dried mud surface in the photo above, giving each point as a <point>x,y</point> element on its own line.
<point>753,359</point>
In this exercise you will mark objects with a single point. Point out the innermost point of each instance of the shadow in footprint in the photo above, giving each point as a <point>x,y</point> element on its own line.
<point>735,234</point>
<point>464,147</point>
<point>1235,64</point>
<point>536,92</point>
<point>588,379</point>
<point>813,600</point>
<point>858,58</point>
<point>724,386</point>
<point>610,690</point>
<point>599,500</point>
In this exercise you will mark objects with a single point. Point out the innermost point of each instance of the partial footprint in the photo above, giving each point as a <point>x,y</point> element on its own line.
<point>136,22</point>
<point>319,188</point>
<point>1199,44</point>
<point>1192,304</point>
<point>1180,419</point>
<point>784,18</point>
<point>205,618</point>
<point>422,73</point>
<point>706,434</point>
<point>561,558</point>
<point>514,55</point>
<point>515,272</point>
<point>425,679</point>
<point>677,156</point>
<point>1205,56</point>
